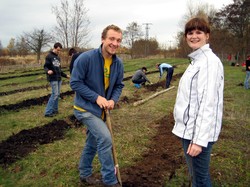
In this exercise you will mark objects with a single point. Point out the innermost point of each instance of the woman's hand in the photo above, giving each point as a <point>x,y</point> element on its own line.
<point>194,150</point>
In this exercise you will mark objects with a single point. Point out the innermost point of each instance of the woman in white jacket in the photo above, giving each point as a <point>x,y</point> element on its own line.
<point>199,103</point>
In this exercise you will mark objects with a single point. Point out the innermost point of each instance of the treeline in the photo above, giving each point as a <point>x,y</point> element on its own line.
<point>229,34</point>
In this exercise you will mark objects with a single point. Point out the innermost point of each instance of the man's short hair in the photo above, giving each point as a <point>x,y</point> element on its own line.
<point>72,51</point>
<point>57,44</point>
<point>109,27</point>
<point>144,68</point>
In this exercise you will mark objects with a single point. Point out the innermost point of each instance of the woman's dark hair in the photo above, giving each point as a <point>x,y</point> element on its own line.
<point>197,23</point>
<point>72,51</point>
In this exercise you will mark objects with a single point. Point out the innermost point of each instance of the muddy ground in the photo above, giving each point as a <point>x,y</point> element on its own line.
<point>21,144</point>
<point>157,164</point>
<point>42,100</point>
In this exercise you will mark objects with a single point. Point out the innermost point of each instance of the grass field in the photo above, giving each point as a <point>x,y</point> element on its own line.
<point>55,163</point>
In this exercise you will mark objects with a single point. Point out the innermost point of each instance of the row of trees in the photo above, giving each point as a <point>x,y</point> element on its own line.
<point>71,30</point>
<point>230,31</point>
<point>230,28</point>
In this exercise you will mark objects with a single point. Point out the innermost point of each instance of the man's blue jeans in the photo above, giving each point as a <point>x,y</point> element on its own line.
<point>247,80</point>
<point>52,105</point>
<point>169,75</point>
<point>140,81</point>
<point>199,166</point>
<point>98,140</point>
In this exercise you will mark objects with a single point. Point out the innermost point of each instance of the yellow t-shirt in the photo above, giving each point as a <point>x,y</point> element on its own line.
<point>107,64</point>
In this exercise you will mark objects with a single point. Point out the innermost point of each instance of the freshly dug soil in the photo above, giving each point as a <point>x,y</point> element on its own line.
<point>26,141</point>
<point>159,162</point>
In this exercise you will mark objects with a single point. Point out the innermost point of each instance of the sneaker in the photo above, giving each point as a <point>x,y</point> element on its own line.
<point>137,85</point>
<point>49,115</point>
<point>90,180</point>
<point>113,185</point>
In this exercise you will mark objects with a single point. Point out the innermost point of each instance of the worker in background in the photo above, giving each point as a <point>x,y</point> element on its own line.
<point>140,78</point>
<point>169,69</point>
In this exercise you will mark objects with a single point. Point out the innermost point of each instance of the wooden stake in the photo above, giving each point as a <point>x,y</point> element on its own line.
<point>152,96</point>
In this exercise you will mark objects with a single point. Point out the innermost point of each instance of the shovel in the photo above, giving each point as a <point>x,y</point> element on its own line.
<point>117,171</point>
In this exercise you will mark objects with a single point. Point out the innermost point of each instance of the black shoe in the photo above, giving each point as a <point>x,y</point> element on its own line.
<point>49,115</point>
<point>113,185</point>
<point>55,112</point>
<point>90,180</point>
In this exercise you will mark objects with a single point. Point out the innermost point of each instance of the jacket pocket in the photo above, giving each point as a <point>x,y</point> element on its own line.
<point>186,115</point>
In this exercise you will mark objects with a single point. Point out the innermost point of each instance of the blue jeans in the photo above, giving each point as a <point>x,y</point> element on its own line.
<point>169,76</point>
<point>52,105</point>
<point>246,83</point>
<point>140,81</point>
<point>98,141</point>
<point>198,166</point>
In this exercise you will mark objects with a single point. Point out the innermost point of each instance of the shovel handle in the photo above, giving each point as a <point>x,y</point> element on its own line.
<point>109,125</point>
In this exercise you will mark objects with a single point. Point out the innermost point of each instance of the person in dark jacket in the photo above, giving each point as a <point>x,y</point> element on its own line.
<point>247,79</point>
<point>54,73</point>
<point>73,54</point>
<point>97,81</point>
<point>140,78</point>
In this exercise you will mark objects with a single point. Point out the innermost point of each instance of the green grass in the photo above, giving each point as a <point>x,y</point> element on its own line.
<point>55,164</point>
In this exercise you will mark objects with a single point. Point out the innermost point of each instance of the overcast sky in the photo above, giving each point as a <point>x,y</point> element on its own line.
<point>164,16</point>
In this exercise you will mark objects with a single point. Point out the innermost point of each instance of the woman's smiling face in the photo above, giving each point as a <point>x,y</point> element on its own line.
<point>196,38</point>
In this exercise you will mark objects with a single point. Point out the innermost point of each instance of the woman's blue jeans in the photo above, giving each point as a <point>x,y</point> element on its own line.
<point>198,166</point>
<point>247,80</point>
<point>98,141</point>
<point>52,105</point>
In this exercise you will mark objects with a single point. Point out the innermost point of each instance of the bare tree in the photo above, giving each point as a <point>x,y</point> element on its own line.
<point>79,25</point>
<point>11,47</point>
<point>36,40</point>
<point>72,29</point>
<point>62,17</point>
<point>22,47</point>
<point>139,47</point>
<point>1,48</point>
<point>203,10</point>
<point>132,33</point>
<point>235,18</point>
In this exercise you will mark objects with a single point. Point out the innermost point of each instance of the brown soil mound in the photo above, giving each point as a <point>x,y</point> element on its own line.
<point>161,160</point>
<point>21,144</point>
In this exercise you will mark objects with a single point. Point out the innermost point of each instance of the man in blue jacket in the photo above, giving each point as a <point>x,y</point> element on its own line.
<point>97,81</point>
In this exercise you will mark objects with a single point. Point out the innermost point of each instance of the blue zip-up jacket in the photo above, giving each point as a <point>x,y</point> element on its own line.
<point>87,80</point>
